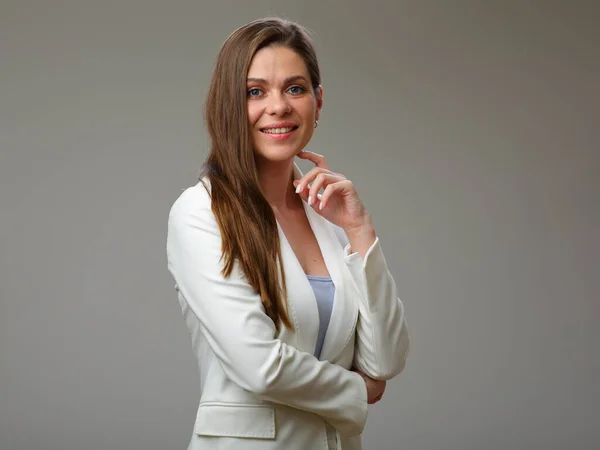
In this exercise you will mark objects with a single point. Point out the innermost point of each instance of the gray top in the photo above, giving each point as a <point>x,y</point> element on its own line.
<point>324,291</point>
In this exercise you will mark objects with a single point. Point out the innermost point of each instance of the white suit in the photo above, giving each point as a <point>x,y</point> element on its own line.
<point>262,390</point>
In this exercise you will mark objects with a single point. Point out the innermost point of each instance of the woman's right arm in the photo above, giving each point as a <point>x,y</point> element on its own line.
<point>241,334</point>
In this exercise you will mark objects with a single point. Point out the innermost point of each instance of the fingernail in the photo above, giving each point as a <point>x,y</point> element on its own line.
<point>298,188</point>
<point>321,205</point>
<point>310,200</point>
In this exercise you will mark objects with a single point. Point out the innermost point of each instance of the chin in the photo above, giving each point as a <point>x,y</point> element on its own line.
<point>275,155</point>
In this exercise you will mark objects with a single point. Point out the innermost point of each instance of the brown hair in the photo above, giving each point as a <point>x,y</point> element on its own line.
<point>245,218</point>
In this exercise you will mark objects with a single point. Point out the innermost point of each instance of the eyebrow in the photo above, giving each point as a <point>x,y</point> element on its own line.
<point>286,81</point>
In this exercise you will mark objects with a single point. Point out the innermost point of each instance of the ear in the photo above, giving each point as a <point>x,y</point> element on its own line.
<point>319,95</point>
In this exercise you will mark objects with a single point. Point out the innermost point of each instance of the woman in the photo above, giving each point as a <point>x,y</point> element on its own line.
<point>292,311</point>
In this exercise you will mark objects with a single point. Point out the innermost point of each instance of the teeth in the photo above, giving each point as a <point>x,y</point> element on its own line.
<point>277,130</point>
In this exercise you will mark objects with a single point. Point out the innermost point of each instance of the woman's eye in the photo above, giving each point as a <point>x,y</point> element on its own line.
<point>254,92</point>
<point>296,89</point>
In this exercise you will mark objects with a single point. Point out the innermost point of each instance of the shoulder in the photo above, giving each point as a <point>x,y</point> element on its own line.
<point>192,205</point>
<point>195,197</point>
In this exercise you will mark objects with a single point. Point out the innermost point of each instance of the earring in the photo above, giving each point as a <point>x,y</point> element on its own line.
<point>316,123</point>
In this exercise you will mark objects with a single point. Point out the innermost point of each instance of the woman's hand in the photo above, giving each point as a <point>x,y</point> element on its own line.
<point>375,388</point>
<point>339,203</point>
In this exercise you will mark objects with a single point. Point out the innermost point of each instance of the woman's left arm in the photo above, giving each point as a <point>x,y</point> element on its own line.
<point>382,338</point>
<point>382,341</point>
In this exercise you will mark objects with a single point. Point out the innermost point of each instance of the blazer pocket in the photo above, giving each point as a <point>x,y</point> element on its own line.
<point>235,420</point>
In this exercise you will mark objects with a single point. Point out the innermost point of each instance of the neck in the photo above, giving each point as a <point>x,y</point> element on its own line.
<point>276,182</point>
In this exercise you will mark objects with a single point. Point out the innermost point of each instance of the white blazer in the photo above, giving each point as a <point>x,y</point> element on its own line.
<point>262,390</point>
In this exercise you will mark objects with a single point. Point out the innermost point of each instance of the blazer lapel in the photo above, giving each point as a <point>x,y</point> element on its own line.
<point>345,311</point>
<point>302,304</point>
<point>301,299</point>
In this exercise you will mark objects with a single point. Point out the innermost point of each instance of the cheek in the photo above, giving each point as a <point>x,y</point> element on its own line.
<point>308,110</point>
<point>254,112</point>
<point>308,134</point>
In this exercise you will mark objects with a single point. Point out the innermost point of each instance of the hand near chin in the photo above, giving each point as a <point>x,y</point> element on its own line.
<point>339,203</point>
<point>375,388</point>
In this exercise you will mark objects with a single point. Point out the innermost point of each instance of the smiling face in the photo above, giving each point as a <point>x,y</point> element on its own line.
<point>282,104</point>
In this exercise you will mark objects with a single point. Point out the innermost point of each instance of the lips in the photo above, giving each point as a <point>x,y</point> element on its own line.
<point>279,130</point>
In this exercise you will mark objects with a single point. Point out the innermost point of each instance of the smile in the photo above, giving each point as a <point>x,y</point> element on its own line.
<point>284,130</point>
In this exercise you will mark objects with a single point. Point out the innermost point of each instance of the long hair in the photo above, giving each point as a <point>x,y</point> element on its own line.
<point>245,218</point>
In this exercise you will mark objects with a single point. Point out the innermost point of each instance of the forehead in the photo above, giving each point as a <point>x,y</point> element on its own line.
<point>277,63</point>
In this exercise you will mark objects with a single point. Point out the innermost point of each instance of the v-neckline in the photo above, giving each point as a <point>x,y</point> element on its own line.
<point>310,226</point>
<point>307,214</point>
<point>303,304</point>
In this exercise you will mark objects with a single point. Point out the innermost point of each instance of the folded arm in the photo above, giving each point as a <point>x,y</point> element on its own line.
<point>240,333</point>
<point>382,342</point>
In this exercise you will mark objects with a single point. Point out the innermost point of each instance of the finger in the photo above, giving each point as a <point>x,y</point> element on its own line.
<point>374,400</point>
<point>333,189</point>
<point>319,160</point>
<point>381,385</point>
<point>303,195</point>
<point>322,181</point>
<point>308,177</point>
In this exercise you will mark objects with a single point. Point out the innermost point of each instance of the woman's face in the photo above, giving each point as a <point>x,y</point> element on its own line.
<point>282,105</point>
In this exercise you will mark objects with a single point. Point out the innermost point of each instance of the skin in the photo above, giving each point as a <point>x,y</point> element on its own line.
<point>277,100</point>
<point>280,90</point>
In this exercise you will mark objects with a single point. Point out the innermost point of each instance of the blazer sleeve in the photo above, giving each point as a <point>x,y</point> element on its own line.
<point>242,336</point>
<point>382,341</point>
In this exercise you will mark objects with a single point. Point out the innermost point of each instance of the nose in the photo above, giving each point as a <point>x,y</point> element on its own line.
<point>278,105</point>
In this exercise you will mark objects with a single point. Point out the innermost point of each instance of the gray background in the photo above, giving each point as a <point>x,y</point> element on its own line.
<point>470,130</point>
